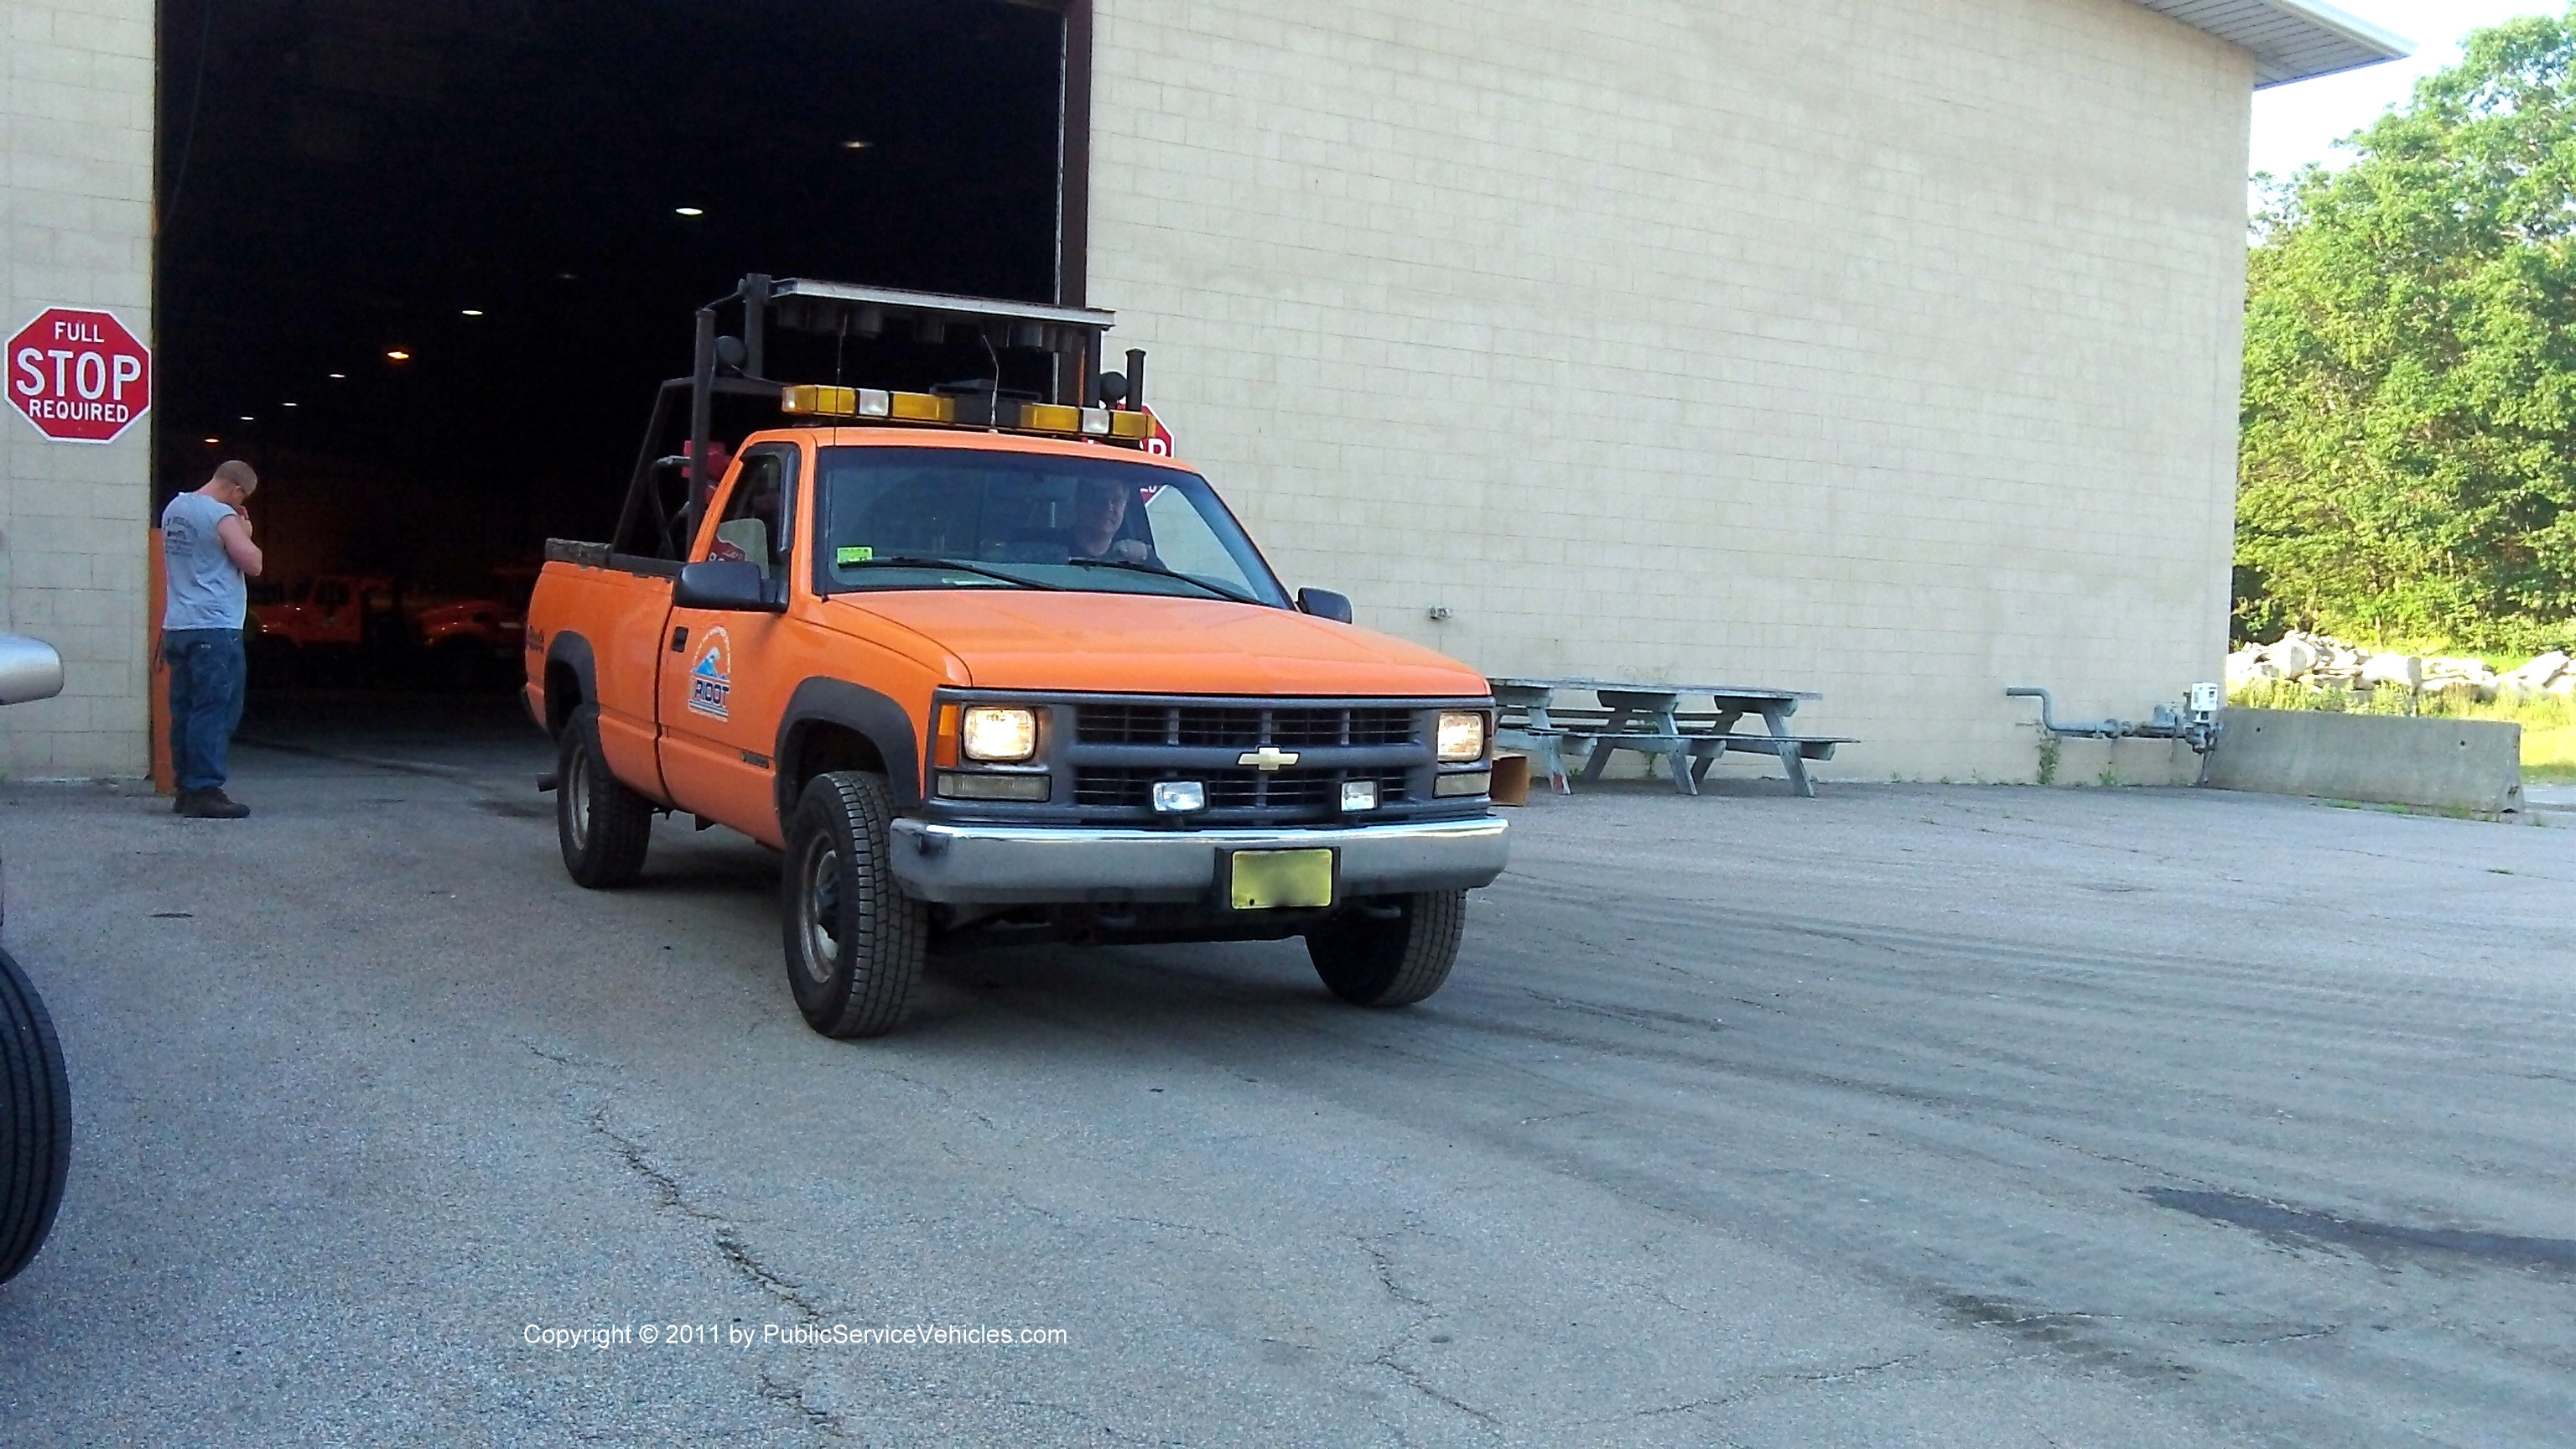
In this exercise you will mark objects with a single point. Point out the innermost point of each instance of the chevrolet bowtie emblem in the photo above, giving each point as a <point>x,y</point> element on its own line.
<point>1267,758</point>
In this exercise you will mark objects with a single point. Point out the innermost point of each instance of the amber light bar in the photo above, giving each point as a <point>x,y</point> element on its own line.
<point>813,400</point>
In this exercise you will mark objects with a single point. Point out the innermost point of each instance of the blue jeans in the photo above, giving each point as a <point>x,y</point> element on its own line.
<point>207,671</point>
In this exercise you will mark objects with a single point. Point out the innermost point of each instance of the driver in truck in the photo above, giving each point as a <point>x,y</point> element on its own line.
<point>1099,512</point>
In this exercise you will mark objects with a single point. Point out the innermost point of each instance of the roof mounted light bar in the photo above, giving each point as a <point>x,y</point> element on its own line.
<point>895,303</point>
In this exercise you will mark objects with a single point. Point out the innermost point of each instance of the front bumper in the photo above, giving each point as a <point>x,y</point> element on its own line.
<point>1044,865</point>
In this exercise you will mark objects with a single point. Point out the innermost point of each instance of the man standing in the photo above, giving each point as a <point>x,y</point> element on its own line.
<point>208,553</point>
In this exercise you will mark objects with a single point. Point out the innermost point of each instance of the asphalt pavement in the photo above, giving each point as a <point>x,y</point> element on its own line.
<point>1921,1116</point>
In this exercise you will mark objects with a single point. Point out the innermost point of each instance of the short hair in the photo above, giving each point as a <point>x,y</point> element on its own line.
<point>237,473</point>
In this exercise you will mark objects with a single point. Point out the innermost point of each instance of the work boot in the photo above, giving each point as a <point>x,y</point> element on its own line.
<point>212,804</point>
<point>179,806</point>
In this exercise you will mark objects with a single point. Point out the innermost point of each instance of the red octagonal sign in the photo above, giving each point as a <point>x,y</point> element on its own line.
<point>78,375</point>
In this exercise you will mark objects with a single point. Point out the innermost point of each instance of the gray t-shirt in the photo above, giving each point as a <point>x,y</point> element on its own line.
<point>205,589</point>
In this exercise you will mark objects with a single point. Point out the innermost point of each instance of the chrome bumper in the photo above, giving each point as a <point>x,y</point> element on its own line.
<point>1019,864</point>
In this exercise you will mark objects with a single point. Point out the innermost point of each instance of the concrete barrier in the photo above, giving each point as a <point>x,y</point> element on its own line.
<point>2469,765</point>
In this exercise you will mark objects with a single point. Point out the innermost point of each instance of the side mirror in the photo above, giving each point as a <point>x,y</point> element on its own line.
<point>29,669</point>
<point>728,584</point>
<point>1324,604</point>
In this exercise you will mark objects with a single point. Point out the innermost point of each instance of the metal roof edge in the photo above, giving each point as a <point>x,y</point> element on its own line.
<point>2389,44</point>
<point>2290,40</point>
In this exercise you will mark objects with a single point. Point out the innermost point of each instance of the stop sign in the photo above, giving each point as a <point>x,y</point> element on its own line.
<point>78,375</point>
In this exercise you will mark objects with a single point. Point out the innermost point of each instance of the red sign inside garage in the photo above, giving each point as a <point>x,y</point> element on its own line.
<point>78,375</point>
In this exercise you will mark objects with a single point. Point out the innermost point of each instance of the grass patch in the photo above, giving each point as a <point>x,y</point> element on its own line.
<point>2548,723</point>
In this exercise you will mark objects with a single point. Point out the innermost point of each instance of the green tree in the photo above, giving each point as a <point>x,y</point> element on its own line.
<point>2409,446</point>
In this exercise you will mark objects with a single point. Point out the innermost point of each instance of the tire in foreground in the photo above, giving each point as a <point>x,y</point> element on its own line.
<point>35,1121</point>
<point>854,940</point>
<point>1391,954</point>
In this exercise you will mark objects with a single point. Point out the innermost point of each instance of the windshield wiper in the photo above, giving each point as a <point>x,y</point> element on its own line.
<point>1163,573</point>
<point>920,561</point>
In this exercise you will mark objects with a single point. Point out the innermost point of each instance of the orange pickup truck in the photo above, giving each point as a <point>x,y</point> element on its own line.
<point>986,670</point>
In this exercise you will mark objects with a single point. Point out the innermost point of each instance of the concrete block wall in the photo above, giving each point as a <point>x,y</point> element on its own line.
<point>76,117</point>
<point>1887,348</point>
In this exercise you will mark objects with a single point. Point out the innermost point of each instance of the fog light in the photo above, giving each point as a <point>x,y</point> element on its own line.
<point>1472,782</point>
<point>992,787</point>
<point>1359,795</point>
<point>1000,736</point>
<point>1179,797</point>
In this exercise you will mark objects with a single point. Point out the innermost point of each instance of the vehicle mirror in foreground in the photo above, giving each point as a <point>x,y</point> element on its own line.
<point>29,669</point>
<point>1324,604</point>
<point>734,585</point>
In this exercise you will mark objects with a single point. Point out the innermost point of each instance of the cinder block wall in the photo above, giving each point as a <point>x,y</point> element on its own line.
<point>76,203</point>
<point>1887,348</point>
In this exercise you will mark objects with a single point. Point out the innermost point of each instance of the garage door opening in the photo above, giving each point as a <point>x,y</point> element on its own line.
<point>423,262</point>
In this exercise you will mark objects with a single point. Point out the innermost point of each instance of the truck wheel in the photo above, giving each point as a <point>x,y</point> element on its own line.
<point>35,1121</point>
<point>1391,958</point>
<point>603,827</point>
<point>854,939</point>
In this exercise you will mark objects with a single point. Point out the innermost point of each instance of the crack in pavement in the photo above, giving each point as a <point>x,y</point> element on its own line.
<point>670,1194</point>
<point>1384,1264</point>
<point>727,1237</point>
<point>792,1396</point>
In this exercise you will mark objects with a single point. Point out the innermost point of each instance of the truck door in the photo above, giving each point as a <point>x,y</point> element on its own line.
<point>719,706</point>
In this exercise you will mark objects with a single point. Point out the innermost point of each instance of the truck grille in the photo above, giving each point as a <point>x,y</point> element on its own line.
<point>1242,727</point>
<point>1302,793</point>
<point>1106,752</point>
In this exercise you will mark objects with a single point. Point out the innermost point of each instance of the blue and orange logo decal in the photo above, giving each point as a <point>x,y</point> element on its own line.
<point>711,677</point>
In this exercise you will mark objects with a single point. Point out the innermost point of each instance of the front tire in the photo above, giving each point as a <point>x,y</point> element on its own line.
<point>854,940</point>
<point>603,827</point>
<point>1395,955</point>
<point>35,1121</point>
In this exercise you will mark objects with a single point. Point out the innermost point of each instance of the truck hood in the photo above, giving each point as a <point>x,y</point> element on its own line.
<point>1148,644</point>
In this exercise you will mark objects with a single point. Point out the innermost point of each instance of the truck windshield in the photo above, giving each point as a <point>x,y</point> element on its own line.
<point>948,518</point>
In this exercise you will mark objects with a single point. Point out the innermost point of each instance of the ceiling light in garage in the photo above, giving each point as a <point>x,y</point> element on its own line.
<point>688,211</point>
<point>286,405</point>
<point>248,418</point>
<point>210,442</point>
<point>856,145</point>
<point>397,355</point>
<point>339,377</point>
<point>473,311</point>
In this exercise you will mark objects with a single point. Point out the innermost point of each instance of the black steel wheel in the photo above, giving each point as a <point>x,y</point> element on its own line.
<point>1390,953</point>
<point>603,827</point>
<point>854,940</point>
<point>35,1121</point>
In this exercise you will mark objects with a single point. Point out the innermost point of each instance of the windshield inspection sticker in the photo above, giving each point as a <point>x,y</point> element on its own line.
<point>853,555</point>
<point>711,678</point>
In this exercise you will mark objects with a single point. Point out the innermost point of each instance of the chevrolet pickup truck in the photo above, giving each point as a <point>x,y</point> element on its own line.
<point>986,669</point>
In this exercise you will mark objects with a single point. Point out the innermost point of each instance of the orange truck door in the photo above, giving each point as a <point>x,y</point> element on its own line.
<point>719,706</point>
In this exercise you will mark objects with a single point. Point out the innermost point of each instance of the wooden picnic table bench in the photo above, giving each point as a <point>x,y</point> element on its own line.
<point>1648,719</point>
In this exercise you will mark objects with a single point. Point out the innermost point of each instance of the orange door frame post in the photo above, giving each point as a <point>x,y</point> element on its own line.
<point>156,674</point>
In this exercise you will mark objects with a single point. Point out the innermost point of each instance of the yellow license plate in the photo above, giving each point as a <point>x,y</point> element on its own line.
<point>1269,880</point>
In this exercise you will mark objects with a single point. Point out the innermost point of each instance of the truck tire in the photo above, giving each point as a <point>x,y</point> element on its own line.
<point>603,827</point>
<point>854,940</point>
<point>1392,959</point>
<point>35,1121</point>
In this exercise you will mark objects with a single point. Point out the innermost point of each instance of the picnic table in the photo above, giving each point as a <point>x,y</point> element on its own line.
<point>1650,719</point>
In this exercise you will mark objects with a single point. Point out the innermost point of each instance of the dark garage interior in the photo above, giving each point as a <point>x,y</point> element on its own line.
<point>422,262</point>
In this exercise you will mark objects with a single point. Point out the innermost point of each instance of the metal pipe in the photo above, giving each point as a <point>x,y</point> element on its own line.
<point>702,396</point>
<point>2200,730</point>
<point>755,325</point>
<point>2109,729</point>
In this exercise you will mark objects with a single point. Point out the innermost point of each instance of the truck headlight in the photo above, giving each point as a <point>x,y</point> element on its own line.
<point>997,736</point>
<point>1462,736</point>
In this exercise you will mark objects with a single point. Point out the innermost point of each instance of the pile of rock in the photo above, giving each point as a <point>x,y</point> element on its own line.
<point>2323,663</point>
